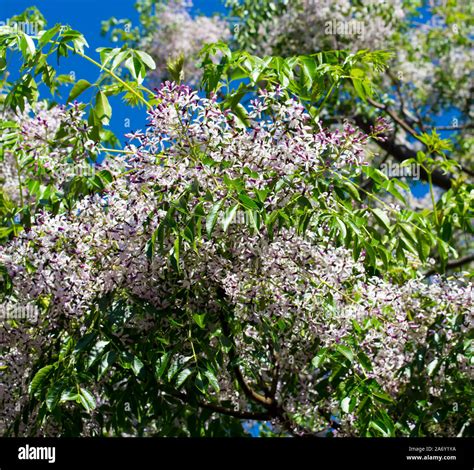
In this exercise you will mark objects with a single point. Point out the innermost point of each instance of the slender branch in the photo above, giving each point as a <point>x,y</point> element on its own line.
<point>398,90</point>
<point>275,410</point>
<point>112,74</point>
<point>235,413</point>
<point>453,264</point>
<point>268,402</point>
<point>401,122</point>
<point>401,153</point>
<point>223,410</point>
<point>419,119</point>
<point>453,128</point>
<point>445,182</point>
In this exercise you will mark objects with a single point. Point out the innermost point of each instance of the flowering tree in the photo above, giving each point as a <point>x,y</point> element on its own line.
<point>231,263</point>
<point>429,73</point>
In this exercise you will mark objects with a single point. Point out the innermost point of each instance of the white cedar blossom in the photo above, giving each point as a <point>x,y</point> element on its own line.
<point>306,289</point>
<point>305,27</point>
<point>49,149</point>
<point>178,33</point>
<point>308,26</point>
<point>433,56</point>
<point>432,60</point>
<point>436,59</point>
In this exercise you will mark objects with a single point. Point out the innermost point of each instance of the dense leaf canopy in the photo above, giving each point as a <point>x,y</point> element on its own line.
<point>256,254</point>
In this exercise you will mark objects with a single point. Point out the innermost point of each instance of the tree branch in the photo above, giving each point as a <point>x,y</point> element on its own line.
<point>401,153</point>
<point>453,264</point>
<point>267,402</point>
<point>223,410</point>
<point>453,128</point>
<point>401,122</point>
<point>438,178</point>
<point>275,410</point>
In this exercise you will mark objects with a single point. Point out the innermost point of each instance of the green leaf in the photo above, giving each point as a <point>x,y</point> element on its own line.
<point>409,232</point>
<point>69,394</point>
<point>382,218</point>
<point>106,176</point>
<point>107,361</point>
<point>248,202</point>
<point>345,351</point>
<point>39,378</point>
<point>118,58</point>
<point>379,426</point>
<point>318,360</point>
<point>146,59</point>
<point>241,114</point>
<point>432,366</point>
<point>199,319</point>
<point>230,214</point>
<point>136,68</point>
<point>130,361</point>
<point>103,108</point>
<point>212,217</point>
<point>345,404</point>
<point>48,35</point>
<point>390,186</point>
<point>359,88</point>
<point>53,396</point>
<point>352,190</point>
<point>137,365</point>
<point>9,125</point>
<point>176,250</point>
<point>364,361</point>
<point>176,68</point>
<point>27,45</point>
<point>375,174</point>
<point>87,399</point>
<point>182,376</point>
<point>382,396</point>
<point>84,342</point>
<point>342,227</point>
<point>106,54</point>
<point>174,367</point>
<point>78,88</point>
<point>161,365</point>
<point>254,219</point>
<point>212,380</point>
<point>443,250</point>
<point>96,351</point>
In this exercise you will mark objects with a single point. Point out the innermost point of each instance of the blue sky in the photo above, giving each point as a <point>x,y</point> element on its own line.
<point>86,16</point>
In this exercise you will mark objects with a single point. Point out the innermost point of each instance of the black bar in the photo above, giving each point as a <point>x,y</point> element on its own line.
<point>327,453</point>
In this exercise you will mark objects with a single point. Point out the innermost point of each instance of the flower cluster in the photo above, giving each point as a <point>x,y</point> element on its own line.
<point>308,292</point>
<point>307,26</point>
<point>183,128</point>
<point>53,146</point>
<point>178,33</point>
